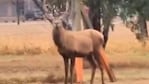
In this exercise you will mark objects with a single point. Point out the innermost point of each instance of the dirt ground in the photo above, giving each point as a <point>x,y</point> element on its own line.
<point>43,69</point>
<point>128,58</point>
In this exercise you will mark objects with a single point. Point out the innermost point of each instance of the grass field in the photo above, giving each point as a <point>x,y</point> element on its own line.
<point>28,56</point>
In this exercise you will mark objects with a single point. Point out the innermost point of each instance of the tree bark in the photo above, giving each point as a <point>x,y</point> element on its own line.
<point>95,14</point>
<point>143,25</point>
<point>77,15</point>
<point>107,16</point>
<point>142,33</point>
<point>85,17</point>
<point>18,12</point>
<point>106,24</point>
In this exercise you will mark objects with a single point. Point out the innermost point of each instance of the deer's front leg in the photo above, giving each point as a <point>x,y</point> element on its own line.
<point>66,65</point>
<point>72,69</point>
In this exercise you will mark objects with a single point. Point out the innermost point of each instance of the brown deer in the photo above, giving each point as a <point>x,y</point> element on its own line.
<point>85,43</point>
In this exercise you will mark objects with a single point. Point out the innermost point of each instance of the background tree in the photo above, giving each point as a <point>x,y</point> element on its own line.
<point>101,10</point>
<point>108,9</point>
<point>139,9</point>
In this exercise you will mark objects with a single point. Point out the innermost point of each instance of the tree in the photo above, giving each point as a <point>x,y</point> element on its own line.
<point>107,9</point>
<point>108,13</point>
<point>139,8</point>
<point>101,9</point>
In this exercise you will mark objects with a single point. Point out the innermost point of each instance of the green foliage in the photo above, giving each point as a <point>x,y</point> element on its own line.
<point>130,7</point>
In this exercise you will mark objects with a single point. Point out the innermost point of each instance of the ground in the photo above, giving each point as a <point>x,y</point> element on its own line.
<point>28,56</point>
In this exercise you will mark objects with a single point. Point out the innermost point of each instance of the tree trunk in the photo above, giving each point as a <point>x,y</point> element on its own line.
<point>142,34</point>
<point>95,14</point>
<point>143,25</point>
<point>77,15</point>
<point>85,17</point>
<point>18,12</point>
<point>107,17</point>
<point>106,23</point>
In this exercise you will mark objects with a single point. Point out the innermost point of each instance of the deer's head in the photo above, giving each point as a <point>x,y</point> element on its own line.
<point>62,21</point>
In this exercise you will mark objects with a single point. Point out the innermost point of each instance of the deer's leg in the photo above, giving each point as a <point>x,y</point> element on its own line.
<point>66,64</point>
<point>92,62</point>
<point>105,64</point>
<point>72,70</point>
<point>97,58</point>
<point>102,74</point>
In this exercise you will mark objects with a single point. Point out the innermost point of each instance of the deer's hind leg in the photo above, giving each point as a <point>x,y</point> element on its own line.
<point>92,62</point>
<point>98,60</point>
<point>72,70</point>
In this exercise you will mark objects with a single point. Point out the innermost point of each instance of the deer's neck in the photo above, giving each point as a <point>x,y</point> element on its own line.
<point>58,35</point>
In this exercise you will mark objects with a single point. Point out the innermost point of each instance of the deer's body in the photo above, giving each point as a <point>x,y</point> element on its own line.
<point>85,43</point>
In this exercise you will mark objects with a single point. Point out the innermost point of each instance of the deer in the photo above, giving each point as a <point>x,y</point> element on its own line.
<point>71,44</point>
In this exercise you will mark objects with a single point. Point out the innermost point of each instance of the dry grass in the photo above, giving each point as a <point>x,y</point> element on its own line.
<point>125,51</point>
<point>28,38</point>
